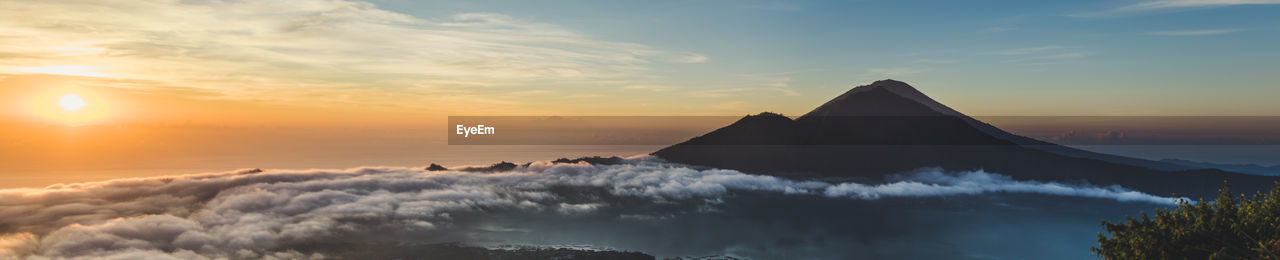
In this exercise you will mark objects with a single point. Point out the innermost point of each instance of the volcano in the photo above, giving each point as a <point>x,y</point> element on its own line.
<point>888,127</point>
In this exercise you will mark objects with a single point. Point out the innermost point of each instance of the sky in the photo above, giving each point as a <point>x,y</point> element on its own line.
<point>367,81</point>
<point>338,62</point>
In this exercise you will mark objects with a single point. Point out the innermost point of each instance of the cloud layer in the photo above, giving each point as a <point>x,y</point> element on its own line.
<point>266,214</point>
<point>935,183</point>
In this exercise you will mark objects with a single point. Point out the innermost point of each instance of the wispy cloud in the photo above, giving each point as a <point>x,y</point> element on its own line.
<point>730,92</point>
<point>1170,5</point>
<point>996,29</point>
<point>692,58</point>
<point>935,61</point>
<point>1051,58</point>
<point>1167,4</point>
<point>1026,51</point>
<point>1197,32</point>
<point>83,71</point>
<point>1041,54</point>
<point>658,88</point>
<point>1066,55</point>
<point>895,71</point>
<point>251,48</point>
<point>774,83</point>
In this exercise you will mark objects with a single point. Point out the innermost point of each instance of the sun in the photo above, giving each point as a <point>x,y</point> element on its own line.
<point>71,102</point>
<point>73,108</point>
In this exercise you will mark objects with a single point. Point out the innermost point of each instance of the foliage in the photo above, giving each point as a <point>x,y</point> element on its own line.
<point>1229,228</point>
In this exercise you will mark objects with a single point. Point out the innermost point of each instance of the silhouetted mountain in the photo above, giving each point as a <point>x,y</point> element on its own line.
<point>889,127</point>
<point>906,91</point>
<point>436,167</point>
<point>593,160</point>
<point>497,167</point>
<point>1242,168</point>
<point>459,251</point>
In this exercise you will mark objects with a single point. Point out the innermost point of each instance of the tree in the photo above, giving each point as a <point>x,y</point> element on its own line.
<point>1228,228</point>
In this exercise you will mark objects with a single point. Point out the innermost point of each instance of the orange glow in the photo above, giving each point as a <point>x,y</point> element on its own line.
<point>74,109</point>
<point>71,102</point>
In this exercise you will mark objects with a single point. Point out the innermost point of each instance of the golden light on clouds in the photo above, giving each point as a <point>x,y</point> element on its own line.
<point>83,71</point>
<point>319,52</point>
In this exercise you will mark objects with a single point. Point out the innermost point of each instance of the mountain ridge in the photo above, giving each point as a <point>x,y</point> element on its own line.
<point>906,90</point>
<point>889,127</point>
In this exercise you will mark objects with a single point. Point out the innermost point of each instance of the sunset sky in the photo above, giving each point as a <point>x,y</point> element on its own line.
<point>401,67</point>
<point>391,61</point>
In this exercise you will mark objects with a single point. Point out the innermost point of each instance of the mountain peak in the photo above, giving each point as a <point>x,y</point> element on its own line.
<point>882,98</point>
<point>889,83</point>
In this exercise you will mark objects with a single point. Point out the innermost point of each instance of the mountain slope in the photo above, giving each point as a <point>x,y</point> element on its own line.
<point>888,127</point>
<point>904,90</point>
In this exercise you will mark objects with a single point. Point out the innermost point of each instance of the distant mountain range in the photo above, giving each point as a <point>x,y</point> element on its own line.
<point>1273,170</point>
<point>889,127</point>
<point>460,251</point>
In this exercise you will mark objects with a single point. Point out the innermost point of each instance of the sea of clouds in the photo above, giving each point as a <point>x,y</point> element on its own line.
<point>268,214</point>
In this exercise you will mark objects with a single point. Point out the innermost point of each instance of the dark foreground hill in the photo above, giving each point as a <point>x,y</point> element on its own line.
<point>888,127</point>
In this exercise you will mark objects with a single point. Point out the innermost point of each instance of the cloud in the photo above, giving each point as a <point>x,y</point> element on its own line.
<point>266,214</point>
<point>773,83</point>
<point>570,209</point>
<point>1197,32</point>
<point>895,71</point>
<point>996,29</point>
<point>729,92</point>
<point>651,87</point>
<point>935,61</point>
<point>1026,51</point>
<point>692,58</point>
<point>247,49</point>
<point>84,71</point>
<point>1040,55</point>
<point>16,244</point>
<point>1063,56</point>
<point>935,183</point>
<point>1168,6</point>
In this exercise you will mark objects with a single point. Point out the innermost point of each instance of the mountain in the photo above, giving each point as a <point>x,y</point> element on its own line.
<point>904,90</point>
<point>1250,168</point>
<point>889,127</point>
